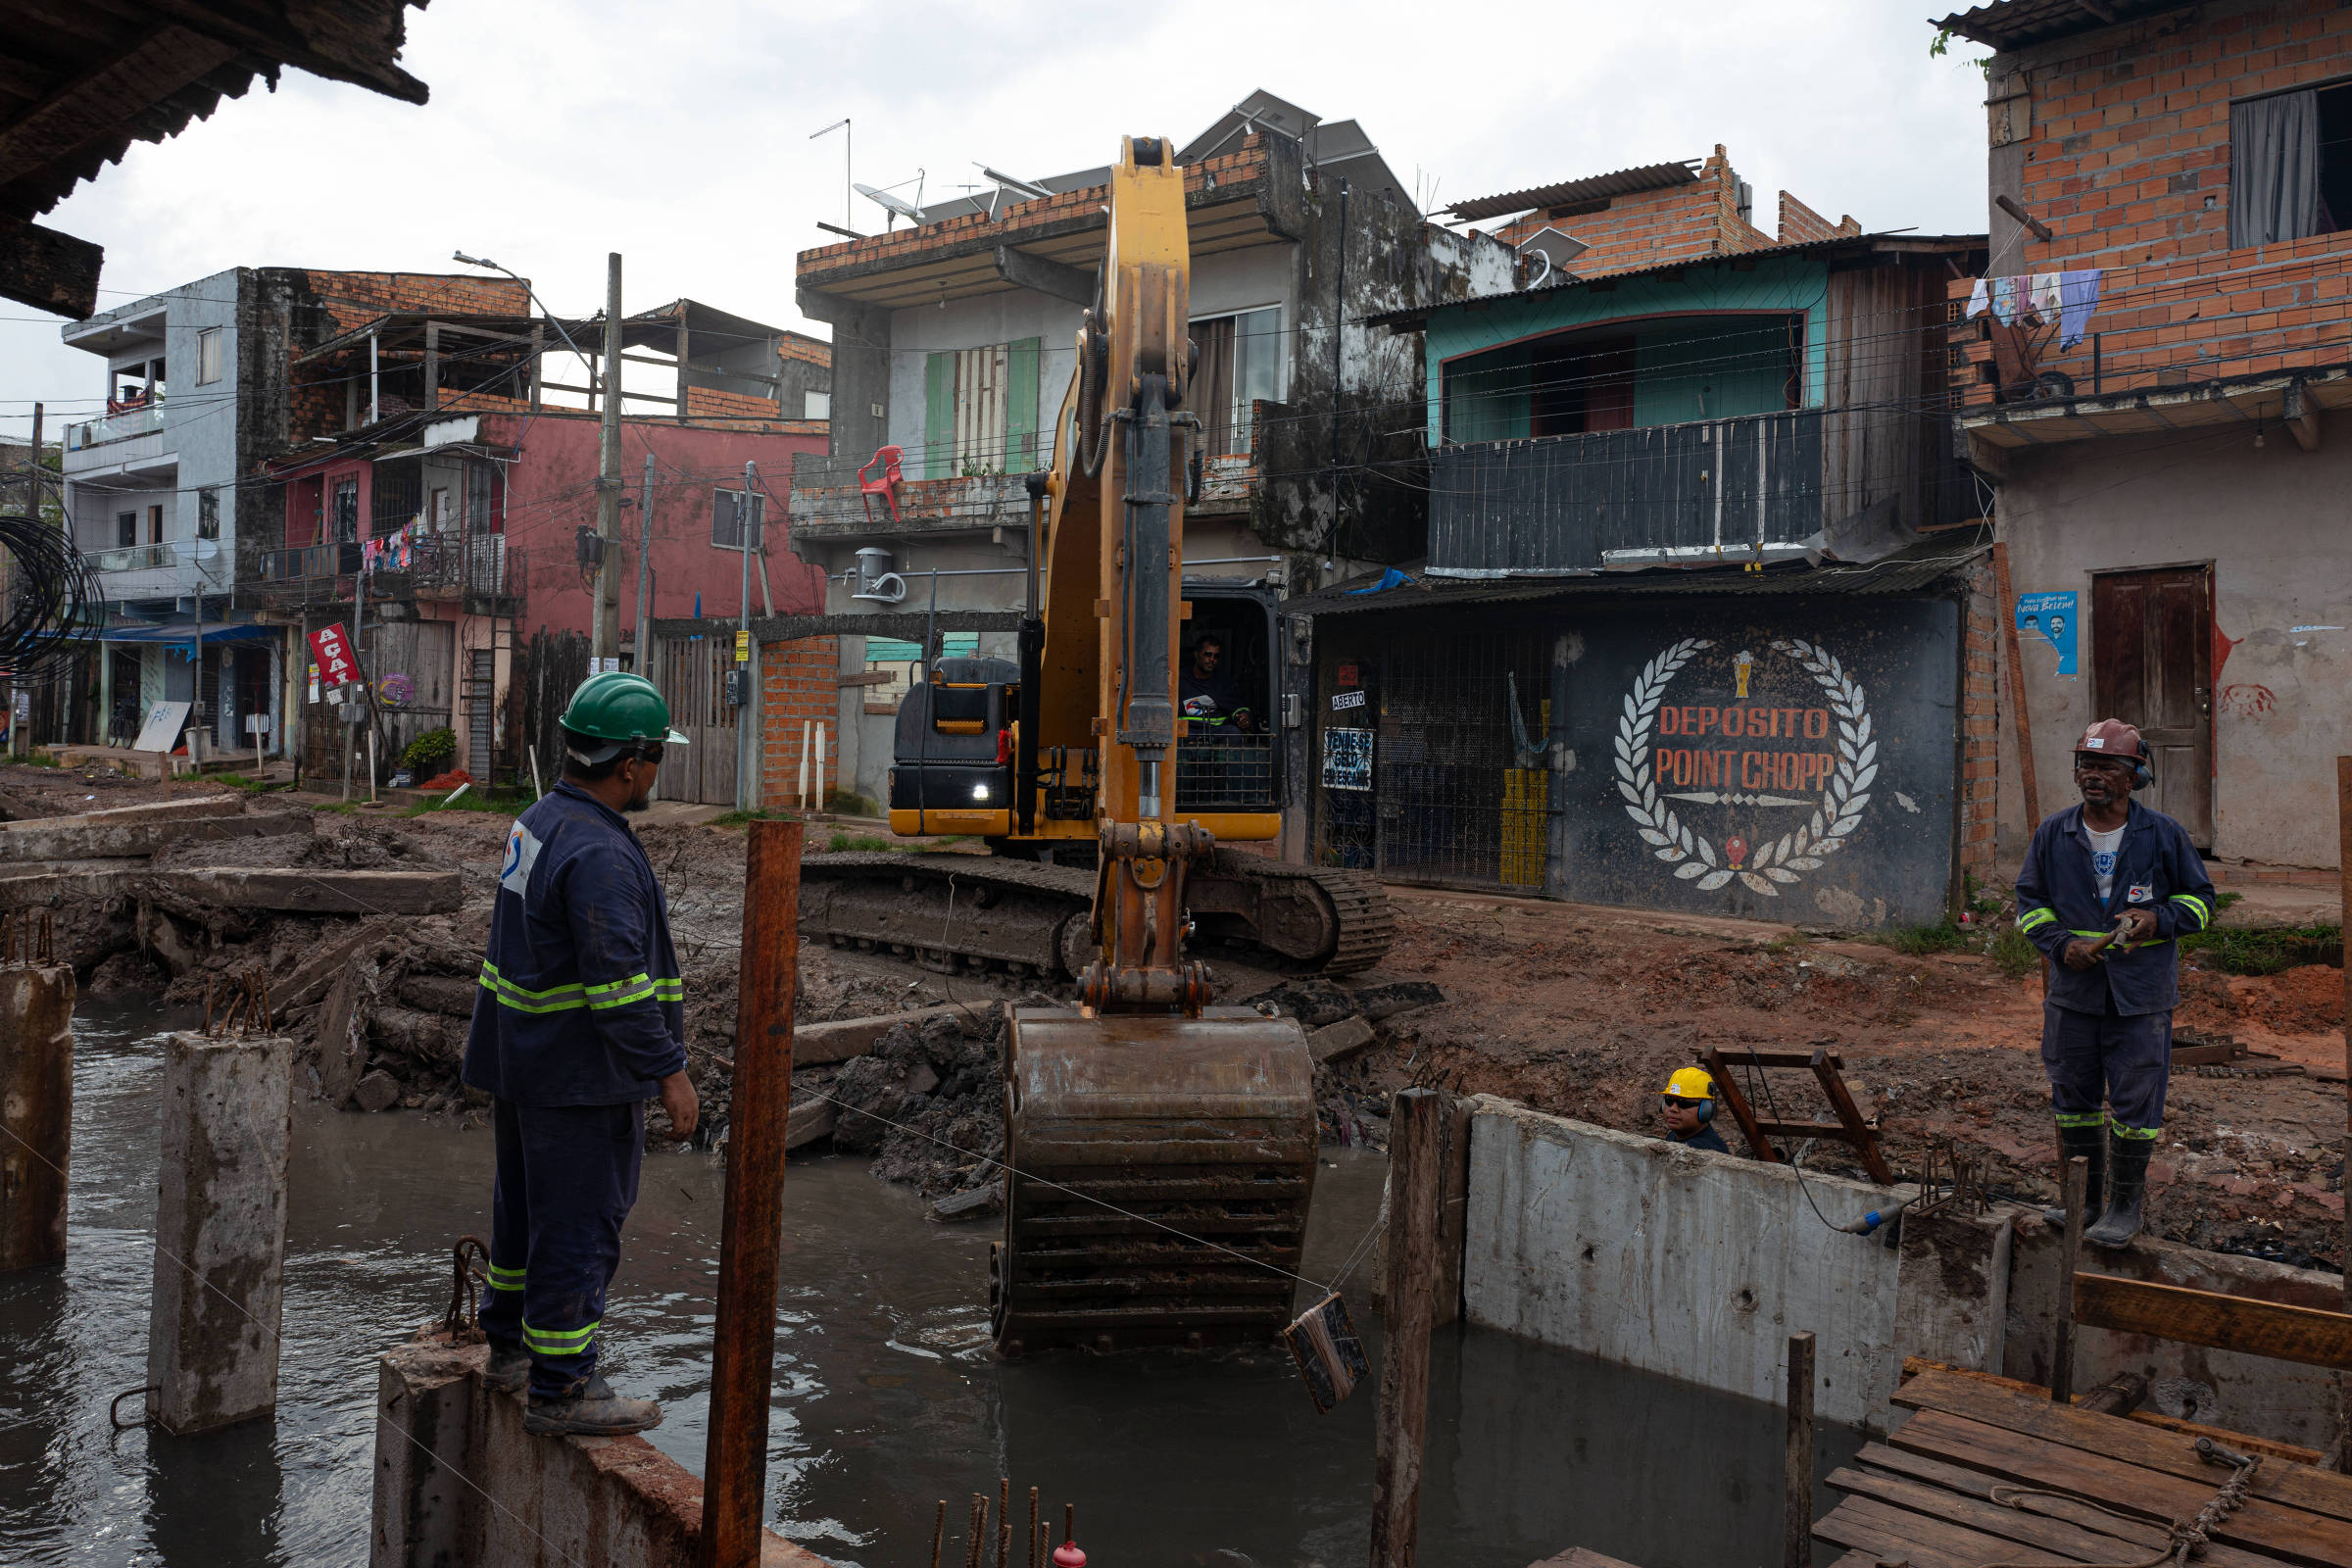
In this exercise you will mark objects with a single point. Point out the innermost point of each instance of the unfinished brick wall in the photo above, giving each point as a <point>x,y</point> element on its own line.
<point>817,264</point>
<point>1677,222</point>
<point>807,350</point>
<point>354,299</point>
<point>1981,710</point>
<point>797,689</point>
<point>2126,160</point>
<point>1801,224</point>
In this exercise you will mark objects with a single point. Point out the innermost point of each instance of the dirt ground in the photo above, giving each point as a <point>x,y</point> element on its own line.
<point>1575,1009</point>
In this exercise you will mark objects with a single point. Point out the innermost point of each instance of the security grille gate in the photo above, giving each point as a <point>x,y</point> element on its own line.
<point>1457,791</point>
<point>690,674</point>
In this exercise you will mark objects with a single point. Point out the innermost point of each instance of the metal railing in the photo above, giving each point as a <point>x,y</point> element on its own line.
<point>1225,769</point>
<point>132,558</point>
<point>115,428</point>
<point>477,563</point>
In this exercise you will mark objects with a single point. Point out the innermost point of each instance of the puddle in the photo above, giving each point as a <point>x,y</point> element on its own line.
<point>886,1397</point>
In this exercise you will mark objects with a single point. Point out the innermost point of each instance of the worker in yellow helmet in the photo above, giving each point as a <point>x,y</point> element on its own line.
<point>1690,1100</point>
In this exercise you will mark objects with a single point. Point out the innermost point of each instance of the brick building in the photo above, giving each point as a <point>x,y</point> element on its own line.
<point>1703,620</point>
<point>2152,374</point>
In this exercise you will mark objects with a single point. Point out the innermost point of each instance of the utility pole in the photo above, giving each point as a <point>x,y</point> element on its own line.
<point>645,547</point>
<point>745,793</point>
<point>604,638</point>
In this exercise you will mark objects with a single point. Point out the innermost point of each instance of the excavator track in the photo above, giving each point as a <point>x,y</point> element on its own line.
<point>993,912</point>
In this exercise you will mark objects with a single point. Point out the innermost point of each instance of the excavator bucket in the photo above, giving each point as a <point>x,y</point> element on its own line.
<point>1160,1173</point>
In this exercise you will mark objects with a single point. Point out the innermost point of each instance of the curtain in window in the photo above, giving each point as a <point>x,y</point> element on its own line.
<point>2273,168</point>
<point>1211,394</point>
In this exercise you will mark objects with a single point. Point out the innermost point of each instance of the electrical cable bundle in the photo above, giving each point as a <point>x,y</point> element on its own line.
<point>54,602</point>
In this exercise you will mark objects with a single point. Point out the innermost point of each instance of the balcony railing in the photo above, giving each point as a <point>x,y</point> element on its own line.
<point>115,428</point>
<point>1735,489</point>
<point>134,558</point>
<point>437,564</point>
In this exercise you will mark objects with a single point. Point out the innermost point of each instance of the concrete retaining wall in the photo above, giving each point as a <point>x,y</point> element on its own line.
<point>1700,1266</point>
<point>458,1481</point>
<point>2282,1400</point>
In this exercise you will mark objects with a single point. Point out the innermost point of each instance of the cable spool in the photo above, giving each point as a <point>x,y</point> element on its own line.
<point>54,604</point>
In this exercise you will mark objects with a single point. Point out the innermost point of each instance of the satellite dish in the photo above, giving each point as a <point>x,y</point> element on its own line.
<point>892,203</point>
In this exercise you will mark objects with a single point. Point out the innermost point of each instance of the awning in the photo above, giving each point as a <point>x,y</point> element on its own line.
<point>185,631</point>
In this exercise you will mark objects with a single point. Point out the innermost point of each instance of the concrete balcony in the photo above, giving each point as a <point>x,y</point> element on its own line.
<point>826,509</point>
<point>144,572</point>
<point>124,426</point>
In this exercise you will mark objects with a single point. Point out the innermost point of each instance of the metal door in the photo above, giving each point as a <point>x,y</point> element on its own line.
<point>2151,666</point>
<point>481,704</point>
<point>690,674</point>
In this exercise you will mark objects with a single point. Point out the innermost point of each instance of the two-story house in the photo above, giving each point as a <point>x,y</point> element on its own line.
<point>952,348</point>
<point>2154,371</point>
<point>198,394</point>
<point>440,504</point>
<point>1699,620</point>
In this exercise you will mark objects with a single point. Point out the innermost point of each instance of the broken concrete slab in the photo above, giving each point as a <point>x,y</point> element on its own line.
<point>816,1045</point>
<point>290,890</point>
<point>1336,1039</point>
<point>177,809</point>
<point>341,1034</point>
<point>313,977</point>
<point>973,1202</point>
<point>379,1090</point>
<point>76,839</point>
<point>808,1121</point>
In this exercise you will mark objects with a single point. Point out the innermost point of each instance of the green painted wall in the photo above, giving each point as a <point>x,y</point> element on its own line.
<point>1796,285</point>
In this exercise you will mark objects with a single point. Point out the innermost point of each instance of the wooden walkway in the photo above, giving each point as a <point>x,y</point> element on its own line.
<point>1932,1495</point>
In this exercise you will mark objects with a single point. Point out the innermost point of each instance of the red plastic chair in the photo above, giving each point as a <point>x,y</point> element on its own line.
<point>887,486</point>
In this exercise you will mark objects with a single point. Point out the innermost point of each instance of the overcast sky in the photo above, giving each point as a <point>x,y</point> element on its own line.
<point>679,135</point>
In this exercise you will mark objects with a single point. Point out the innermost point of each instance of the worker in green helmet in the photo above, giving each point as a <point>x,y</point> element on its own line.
<point>579,1021</point>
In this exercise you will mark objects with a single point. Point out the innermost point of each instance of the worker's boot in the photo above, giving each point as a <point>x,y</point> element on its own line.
<point>589,1409</point>
<point>510,1368</point>
<point>2129,1158</point>
<point>2091,1143</point>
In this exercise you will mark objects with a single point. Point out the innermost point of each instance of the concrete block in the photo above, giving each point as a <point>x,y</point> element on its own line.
<point>180,809</point>
<point>2282,1401</point>
<point>1336,1039</point>
<point>219,1231</point>
<point>814,1045</point>
<point>301,892</point>
<point>458,1481</point>
<point>1695,1265</point>
<point>1953,1290</point>
<point>71,839</point>
<point>36,1111</point>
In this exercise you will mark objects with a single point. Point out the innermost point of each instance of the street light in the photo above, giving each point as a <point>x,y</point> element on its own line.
<point>482,260</point>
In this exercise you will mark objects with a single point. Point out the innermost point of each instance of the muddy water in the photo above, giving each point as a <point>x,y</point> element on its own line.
<point>886,1397</point>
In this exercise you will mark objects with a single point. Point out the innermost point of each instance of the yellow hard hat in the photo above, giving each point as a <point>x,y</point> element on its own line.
<point>1689,1083</point>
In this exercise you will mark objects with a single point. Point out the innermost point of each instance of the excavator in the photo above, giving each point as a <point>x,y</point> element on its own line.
<point>1160,1147</point>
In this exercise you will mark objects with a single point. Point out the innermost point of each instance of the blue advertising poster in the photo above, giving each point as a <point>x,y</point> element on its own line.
<point>2046,619</point>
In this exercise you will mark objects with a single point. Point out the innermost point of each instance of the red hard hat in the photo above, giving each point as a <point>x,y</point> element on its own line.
<point>2111,737</point>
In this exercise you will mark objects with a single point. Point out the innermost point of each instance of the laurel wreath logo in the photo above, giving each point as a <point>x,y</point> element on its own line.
<point>1842,799</point>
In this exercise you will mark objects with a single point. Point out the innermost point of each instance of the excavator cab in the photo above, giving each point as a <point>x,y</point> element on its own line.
<point>952,762</point>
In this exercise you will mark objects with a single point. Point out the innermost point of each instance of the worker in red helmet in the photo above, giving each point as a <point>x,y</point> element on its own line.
<point>2107,886</point>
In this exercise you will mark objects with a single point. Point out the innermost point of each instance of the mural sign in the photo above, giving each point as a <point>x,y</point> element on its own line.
<point>1794,762</point>
<point>2047,621</point>
<point>1773,763</point>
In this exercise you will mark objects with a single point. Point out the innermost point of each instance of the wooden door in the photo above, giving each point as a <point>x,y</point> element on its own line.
<point>2152,667</point>
<point>690,673</point>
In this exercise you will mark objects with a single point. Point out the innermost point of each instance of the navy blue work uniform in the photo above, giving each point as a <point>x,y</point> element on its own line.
<point>2107,1031</point>
<point>1705,1138</point>
<point>580,1015</point>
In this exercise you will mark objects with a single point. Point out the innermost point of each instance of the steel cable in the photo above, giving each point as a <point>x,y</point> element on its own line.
<point>54,604</point>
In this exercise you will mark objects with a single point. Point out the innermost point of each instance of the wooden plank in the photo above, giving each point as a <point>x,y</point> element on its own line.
<point>1881,1459</point>
<point>2260,1526</point>
<point>111,101</point>
<point>48,270</point>
<point>1415,1158</point>
<point>2303,1334</point>
<point>2070,1541</point>
<point>2128,1442</point>
<point>2243,1442</point>
<point>1869,1525</point>
<point>1852,1129</point>
<point>1727,1089</point>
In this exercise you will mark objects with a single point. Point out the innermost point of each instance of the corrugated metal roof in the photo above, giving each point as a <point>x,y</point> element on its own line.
<point>1914,568</point>
<point>2014,24</point>
<point>1591,188</point>
<point>1413,315</point>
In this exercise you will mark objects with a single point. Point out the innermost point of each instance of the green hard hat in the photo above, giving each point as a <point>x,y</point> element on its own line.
<point>620,708</point>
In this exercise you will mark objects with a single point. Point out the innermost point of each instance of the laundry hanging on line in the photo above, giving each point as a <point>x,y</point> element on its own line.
<point>2067,298</point>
